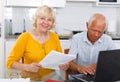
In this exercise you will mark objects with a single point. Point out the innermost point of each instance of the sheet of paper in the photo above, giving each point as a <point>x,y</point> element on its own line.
<point>15,80</point>
<point>54,59</point>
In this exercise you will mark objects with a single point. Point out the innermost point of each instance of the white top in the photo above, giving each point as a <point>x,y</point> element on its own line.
<point>87,53</point>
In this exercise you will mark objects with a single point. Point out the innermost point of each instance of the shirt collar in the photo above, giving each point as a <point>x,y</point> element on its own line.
<point>85,39</point>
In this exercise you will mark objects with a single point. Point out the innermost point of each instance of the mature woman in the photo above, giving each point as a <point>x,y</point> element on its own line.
<point>34,45</point>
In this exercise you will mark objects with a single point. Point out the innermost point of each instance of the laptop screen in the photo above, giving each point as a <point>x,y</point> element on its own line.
<point>108,66</point>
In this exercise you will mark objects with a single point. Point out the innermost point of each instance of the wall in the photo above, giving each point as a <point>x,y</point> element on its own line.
<point>75,15</point>
<point>0,10</point>
<point>72,17</point>
<point>1,41</point>
<point>17,15</point>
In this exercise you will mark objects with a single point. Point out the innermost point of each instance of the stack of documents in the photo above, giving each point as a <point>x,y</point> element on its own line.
<point>54,59</point>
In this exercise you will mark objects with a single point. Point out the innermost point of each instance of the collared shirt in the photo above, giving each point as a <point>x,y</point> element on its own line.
<point>87,53</point>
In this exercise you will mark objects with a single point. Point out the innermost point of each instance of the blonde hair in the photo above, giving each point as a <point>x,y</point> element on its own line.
<point>41,11</point>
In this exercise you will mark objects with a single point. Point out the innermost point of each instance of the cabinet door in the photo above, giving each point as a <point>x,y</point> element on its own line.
<point>8,46</point>
<point>54,3</point>
<point>36,3</point>
<point>28,3</point>
<point>83,0</point>
<point>117,43</point>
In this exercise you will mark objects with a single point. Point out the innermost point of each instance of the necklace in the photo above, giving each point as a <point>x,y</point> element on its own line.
<point>43,43</point>
<point>43,47</point>
<point>42,38</point>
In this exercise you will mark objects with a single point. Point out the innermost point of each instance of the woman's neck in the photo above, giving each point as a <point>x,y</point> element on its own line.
<point>39,36</point>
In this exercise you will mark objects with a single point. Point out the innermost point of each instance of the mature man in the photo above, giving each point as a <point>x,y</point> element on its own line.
<point>86,45</point>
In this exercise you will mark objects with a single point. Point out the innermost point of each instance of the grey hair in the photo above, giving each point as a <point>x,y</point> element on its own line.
<point>94,16</point>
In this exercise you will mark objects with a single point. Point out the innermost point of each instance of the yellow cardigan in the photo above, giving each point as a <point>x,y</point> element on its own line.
<point>32,51</point>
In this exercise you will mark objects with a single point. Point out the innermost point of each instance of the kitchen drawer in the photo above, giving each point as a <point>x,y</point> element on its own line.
<point>117,43</point>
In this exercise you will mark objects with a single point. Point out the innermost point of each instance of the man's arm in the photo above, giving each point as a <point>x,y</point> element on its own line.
<point>90,69</point>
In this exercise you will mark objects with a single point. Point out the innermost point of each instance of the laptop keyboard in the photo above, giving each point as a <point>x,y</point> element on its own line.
<point>82,77</point>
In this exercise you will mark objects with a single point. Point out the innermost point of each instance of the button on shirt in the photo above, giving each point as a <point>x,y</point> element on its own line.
<point>87,53</point>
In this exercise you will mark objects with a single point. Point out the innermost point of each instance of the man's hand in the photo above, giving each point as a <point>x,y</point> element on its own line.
<point>90,69</point>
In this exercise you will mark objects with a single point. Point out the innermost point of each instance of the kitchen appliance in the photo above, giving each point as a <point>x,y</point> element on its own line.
<point>108,2</point>
<point>24,27</point>
<point>75,32</point>
<point>10,27</point>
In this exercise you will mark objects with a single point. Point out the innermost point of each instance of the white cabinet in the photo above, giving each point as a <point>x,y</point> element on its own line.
<point>35,3</point>
<point>28,3</point>
<point>8,46</point>
<point>1,42</point>
<point>1,60</point>
<point>83,0</point>
<point>117,43</point>
<point>54,3</point>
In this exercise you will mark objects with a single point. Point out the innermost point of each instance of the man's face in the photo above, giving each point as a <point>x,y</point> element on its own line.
<point>95,30</point>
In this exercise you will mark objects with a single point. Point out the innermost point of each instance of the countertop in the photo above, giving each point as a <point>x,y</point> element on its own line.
<point>115,37</point>
<point>62,36</point>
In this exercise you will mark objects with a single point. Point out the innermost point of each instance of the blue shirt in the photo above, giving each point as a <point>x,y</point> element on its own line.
<point>87,53</point>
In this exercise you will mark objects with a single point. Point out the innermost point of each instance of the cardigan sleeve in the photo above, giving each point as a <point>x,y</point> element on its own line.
<point>17,50</point>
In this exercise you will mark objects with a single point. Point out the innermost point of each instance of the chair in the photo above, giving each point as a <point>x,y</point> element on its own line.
<point>67,73</point>
<point>66,51</point>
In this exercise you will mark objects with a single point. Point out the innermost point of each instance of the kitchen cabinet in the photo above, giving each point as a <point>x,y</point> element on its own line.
<point>54,3</point>
<point>1,59</point>
<point>35,3</point>
<point>117,43</point>
<point>27,3</point>
<point>83,0</point>
<point>8,46</point>
<point>2,63</point>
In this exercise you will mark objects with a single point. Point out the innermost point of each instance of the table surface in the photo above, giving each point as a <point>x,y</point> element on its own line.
<point>57,75</point>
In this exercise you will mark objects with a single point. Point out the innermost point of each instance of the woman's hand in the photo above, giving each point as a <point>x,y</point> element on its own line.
<point>64,66</point>
<point>33,67</point>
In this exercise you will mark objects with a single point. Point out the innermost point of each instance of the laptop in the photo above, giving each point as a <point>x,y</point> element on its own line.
<point>108,68</point>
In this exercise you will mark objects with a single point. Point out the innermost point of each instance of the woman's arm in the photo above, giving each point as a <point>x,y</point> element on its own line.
<point>33,67</point>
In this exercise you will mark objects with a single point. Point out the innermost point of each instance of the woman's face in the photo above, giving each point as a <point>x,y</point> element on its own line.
<point>45,22</point>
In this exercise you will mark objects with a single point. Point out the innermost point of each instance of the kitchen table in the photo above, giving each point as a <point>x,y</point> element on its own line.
<point>57,75</point>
